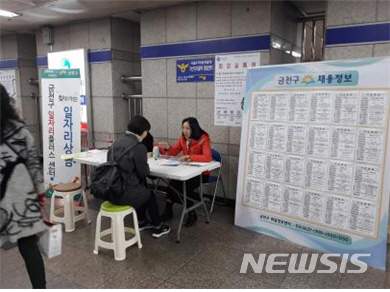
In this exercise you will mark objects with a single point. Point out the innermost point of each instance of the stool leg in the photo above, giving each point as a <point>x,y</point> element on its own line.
<point>136,229</point>
<point>86,210</point>
<point>52,206</point>
<point>97,234</point>
<point>119,238</point>
<point>69,214</point>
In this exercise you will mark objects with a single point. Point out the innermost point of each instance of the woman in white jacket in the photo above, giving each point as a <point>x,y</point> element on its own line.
<point>22,191</point>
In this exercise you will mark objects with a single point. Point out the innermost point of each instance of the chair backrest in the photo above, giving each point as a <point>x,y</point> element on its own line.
<point>215,155</point>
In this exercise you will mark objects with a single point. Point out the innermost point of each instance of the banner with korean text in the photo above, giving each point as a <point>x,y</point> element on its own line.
<point>314,166</point>
<point>60,123</point>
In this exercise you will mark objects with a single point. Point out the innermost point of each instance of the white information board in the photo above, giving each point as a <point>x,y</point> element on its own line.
<point>313,155</point>
<point>230,78</point>
<point>60,123</point>
<point>77,59</point>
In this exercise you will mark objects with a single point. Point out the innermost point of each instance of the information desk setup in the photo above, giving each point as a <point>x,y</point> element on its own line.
<point>165,169</point>
<point>314,156</point>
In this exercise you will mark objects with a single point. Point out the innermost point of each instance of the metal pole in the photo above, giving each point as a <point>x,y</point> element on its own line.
<point>312,41</point>
<point>33,81</point>
<point>315,38</point>
<point>128,96</point>
<point>304,42</point>
<point>131,78</point>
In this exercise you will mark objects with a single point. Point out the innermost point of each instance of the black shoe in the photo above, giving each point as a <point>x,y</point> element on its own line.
<point>162,230</point>
<point>191,219</point>
<point>144,225</point>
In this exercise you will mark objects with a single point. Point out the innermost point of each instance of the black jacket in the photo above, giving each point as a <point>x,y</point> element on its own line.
<point>134,168</point>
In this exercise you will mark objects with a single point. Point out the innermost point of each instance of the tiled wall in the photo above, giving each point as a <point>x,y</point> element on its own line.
<point>284,25</point>
<point>125,39</point>
<point>166,103</point>
<point>352,13</point>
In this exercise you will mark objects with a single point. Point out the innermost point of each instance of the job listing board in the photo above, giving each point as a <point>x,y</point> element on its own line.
<point>318,156</point>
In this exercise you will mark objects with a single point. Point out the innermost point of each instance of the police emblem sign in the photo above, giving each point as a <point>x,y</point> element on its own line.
<point>195,70</point>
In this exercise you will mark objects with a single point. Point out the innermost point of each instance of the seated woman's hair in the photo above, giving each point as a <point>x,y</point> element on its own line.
<point>196,130</point>
<point>138,125</point>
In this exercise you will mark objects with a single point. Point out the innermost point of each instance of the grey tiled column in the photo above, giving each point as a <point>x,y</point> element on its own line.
<point>340,13</point>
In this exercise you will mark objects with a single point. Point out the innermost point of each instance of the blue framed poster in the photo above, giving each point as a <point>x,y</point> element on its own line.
<point>195,70</point>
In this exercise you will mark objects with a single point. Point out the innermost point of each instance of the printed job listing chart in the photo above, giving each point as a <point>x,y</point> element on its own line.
<point>318,156</point>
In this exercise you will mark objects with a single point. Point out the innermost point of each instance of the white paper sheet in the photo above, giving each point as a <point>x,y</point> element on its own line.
<point>367,179</point>
<point>321,107</point>
<point>277,137</point>
<point>256,164</point>
<point>292,200</point>
<point>279,106</point>
<point>343,143</point>
<point>370,145</point>
<point>316,173</point>
<point>337,211</point>
<point>299,110</point>
<point>346,107</point>
<point>373,107</point>
<point>362,217</point>
<point>319,141</point>
<point>258,136</point>
<point>272,198</point>
<point>260,107</point>
<point>314,206</point>
<point>296,139</point>
<point>294,170</point>
<point>340,177</point>
<point>274,167</point>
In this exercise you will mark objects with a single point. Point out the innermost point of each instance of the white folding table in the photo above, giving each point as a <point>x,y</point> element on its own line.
<point>182,172</point>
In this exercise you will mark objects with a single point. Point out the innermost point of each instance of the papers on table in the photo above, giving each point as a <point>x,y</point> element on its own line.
<point>168,162</point>
<point>75,155</point>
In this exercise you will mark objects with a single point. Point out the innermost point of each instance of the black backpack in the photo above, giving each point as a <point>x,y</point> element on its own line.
<point>107,181</point>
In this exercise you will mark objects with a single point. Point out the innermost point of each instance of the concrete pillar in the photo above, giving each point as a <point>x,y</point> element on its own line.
<point>284,20</point>
<point>22,49</point>
<point>125,40</point>
<point>166,103</point>
<point>356,14</point>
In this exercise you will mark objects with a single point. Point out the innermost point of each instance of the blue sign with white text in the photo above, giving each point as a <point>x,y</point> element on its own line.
<point>195,70</point>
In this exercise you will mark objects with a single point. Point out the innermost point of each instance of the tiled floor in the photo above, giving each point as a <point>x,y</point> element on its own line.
<point>209,256</point>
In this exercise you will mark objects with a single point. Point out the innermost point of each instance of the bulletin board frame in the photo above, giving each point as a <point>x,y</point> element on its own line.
<point>276,223</point>
<point>379,199</point>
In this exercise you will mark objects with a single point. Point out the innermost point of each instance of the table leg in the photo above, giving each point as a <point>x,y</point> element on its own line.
<point>86,187</point>
<point>183,212</point>
<point>202,200</point>
<point>86,177</point>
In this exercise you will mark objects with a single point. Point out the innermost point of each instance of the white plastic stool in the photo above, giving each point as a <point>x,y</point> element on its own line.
<point>117,230</point>
<point>68,192</point>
